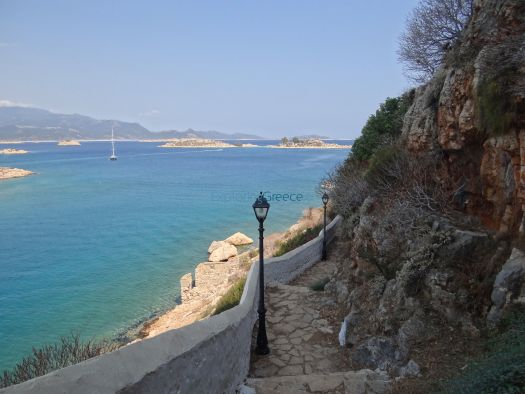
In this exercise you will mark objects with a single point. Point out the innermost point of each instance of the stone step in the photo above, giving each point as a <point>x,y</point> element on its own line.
<point>364,381</point>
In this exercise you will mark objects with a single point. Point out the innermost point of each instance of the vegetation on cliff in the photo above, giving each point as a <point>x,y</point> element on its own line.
<point>433,29</point>
<point>381,128</point>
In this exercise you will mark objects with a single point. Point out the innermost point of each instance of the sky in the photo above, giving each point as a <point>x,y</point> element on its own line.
<point>272,67</point>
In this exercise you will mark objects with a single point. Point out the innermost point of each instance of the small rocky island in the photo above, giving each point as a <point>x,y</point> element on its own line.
<point>307,143</point>
<point>12,151</point>
<point>8,173</point>
<point>69,143</point>
<point>195,143</point>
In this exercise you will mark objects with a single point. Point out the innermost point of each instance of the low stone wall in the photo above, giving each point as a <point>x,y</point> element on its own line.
<point>208,356</point>
<point>287,267</point>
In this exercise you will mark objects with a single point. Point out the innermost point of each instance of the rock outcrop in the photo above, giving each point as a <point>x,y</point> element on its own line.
<point>223,252</point>
<point>12,151</point>
<point>8,173</point>
<point>239,239</point>
<point>216,245</point>
<point>68,143</point>
<point>509,286</point>
<point>471,116</point>
<point>404,289</point>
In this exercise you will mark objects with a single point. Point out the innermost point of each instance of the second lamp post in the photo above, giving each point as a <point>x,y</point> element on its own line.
<point>325,199</point>
<point>261,207</point>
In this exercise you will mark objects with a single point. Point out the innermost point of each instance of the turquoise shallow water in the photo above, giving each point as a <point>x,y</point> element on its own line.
<point>93,246</point>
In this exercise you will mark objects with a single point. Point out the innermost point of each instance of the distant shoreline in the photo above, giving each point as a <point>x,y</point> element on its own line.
<point>218,144</point>
<point>6,142</point>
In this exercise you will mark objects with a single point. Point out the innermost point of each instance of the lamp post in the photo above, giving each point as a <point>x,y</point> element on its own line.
<point>325,199</point>
<point>261,207</point>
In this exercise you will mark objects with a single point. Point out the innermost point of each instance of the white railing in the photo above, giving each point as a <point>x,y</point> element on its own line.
<point>208,356</point>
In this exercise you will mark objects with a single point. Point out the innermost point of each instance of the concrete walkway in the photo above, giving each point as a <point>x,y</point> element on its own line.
<point>305,356</point>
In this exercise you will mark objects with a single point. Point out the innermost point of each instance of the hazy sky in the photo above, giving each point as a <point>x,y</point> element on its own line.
<point>273,68</point>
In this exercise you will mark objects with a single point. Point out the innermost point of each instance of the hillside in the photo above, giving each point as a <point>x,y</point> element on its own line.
<point>34,124</point>
<point>430,278</point>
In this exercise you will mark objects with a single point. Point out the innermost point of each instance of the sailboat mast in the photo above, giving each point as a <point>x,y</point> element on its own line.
<point>112,142</point>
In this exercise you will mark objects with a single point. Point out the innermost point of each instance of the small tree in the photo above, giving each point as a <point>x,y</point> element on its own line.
<point>296,140</point>
<point>284,141</point>
<point>432,28</point>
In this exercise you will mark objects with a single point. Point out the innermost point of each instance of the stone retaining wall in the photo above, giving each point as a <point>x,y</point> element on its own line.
<point>208,356</point>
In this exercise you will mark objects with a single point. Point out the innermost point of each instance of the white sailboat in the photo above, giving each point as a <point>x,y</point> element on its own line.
<point>113,155</point>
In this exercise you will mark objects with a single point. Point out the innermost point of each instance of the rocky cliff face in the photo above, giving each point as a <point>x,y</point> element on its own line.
<point>471,116</point>
<point>409,280</point>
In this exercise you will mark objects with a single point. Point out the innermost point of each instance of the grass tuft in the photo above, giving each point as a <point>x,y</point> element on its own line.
<point>231,298</point>
<point>298,239</point>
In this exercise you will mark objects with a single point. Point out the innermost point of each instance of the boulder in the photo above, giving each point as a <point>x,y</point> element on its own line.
<point>509,286</point>
<point>410,370</point>
<point>378,353</point>
<point>239,239</point>
<point>216,245</point>
<point>223,253</point>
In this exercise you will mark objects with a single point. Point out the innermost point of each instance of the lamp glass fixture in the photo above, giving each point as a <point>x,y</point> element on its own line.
<point>261,207</point>
<point>325,198</point>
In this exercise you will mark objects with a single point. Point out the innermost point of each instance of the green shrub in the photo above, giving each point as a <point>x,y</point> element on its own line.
<point>70,350</point>
<point>298,239</point>
<point>381,128</point>
<point>502,367</point>
<point>320,284</point>
<point>231,298</point>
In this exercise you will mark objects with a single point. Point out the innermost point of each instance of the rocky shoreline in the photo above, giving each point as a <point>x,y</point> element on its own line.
<point>12,151</point>
<point>307,144</point>
<point>10,172</point>
<point>213,278</point>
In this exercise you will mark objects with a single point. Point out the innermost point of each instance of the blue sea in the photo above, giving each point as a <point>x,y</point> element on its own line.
<point>95,247</point>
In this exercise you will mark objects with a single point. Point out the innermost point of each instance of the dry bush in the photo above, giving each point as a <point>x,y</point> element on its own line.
<point>347,187</point>
<point>70,350</point>
<point>409,190</point>
<point>432,29</point>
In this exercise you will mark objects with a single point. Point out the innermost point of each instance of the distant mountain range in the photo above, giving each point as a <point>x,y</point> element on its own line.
<point>34,124</point>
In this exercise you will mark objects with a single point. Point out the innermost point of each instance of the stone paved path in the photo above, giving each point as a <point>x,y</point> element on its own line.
<point>305,356</point>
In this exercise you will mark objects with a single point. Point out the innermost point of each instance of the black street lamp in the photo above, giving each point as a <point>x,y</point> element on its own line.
<point>261,207</point>
<point>325,201</point>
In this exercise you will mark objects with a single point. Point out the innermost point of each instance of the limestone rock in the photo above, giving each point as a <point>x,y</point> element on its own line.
<point>411,369</point>
<point>7,173</point>
<point>223,252</point>
<point>377,352</point>
<point>216,245</point>
<point>509,286</point>
<point>186,284</point>
<point>239,239</point>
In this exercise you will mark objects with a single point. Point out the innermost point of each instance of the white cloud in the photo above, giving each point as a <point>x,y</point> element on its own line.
<point>9,103</point>
<point>153,112</point>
